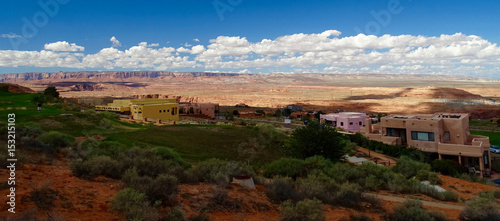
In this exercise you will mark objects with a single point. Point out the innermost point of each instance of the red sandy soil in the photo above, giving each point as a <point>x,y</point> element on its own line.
<point>79,199</point>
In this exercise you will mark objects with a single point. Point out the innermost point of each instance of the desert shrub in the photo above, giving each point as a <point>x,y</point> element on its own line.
<point>220,201</point>
<point>176,214</point>
<point>438,215</point>
<point>108,148</point>
<point>492,194</point>
<point>31,131</point>
<point>281,189</point>
<point>292,167</point>
<point>96,166</point>
<point>304,210</point>
<point>410,168</point>
<point>43,197</point>
<point>446,167</point>
<point>221,172</point>
<point>160,189</point>
<point>56,139</point>
<point>108,115</point>
<point>287,167</point>
<point>410,210</point>
<point>432,177</point>
<point>349,195</point>
<point>134,205</point>
<point>145,160</point>
<point>480,208</point>
<point>318,186</point>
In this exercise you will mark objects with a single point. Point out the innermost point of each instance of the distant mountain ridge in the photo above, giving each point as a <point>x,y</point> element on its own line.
<point>34,76</point>
<point>30,76</point>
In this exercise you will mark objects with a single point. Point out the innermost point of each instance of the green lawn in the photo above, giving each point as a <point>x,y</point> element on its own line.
<point>196,143</point>
<point>23,108</point>
<point>494,136</point>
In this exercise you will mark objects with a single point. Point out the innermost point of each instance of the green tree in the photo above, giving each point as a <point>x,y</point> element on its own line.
<point>498,122</point>
<point>286,112</point>
<point>39,99</point>
<point>317,114</point>
<point>260,112</point>
<point>191,110</point>
<point>51,92</point>
<point>314,140</point>
<point>277,113</point>
<point>235,113</point>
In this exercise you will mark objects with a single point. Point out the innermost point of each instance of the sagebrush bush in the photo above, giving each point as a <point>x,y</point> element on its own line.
<point>281,189</point>
<point>160,189</point>
<point>134,205</point>
<point>176,214</point>
<point>349,195</point>
<point>305,210</point>
<point>318,186</point>
<point>220,172</point>
<point>56,139</point>
<point>108,115</point>
<point>408,211</point>
<point>286,167</point>
<point>410,168</point>
<point>96,166</point>
<point>480,208</point>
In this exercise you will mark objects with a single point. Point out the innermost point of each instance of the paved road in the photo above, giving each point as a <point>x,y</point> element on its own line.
<point>425,203</point>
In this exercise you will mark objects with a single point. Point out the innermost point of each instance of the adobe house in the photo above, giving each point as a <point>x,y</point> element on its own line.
<point>166,109</point>
<point>204,110</point>
<point>446,134</point>
<point>349,121</point>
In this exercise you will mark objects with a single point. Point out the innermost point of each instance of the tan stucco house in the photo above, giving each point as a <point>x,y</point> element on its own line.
<point>446,134</point>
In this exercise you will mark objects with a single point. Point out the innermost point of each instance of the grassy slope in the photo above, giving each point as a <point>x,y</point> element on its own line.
<point>196,143</point>
<point>21,105</point>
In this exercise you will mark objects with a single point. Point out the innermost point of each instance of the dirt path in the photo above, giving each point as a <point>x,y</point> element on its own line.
<point>425,203</point>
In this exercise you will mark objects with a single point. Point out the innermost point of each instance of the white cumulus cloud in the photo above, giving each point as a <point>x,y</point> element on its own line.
<point>115,42</point>
<point>63,46</point>
<point>328,51</point>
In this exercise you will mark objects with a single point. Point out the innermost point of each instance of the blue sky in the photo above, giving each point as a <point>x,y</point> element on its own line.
<point>434,37</point>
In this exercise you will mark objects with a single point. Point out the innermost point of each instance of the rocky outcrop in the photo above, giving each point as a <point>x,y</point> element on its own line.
<point>14,88</point>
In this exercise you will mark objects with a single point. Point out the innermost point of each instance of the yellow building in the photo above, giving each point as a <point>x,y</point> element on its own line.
<point>166,109</point>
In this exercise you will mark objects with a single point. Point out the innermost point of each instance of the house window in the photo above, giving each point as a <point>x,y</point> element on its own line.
<point>168,110</point>
<point>341,123</point>
<point>350,123</point>
<point>360,123</point>
<point>160,111</point>
<point>446,136</point>
<point>424,136</point>
<point>391,132</point>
